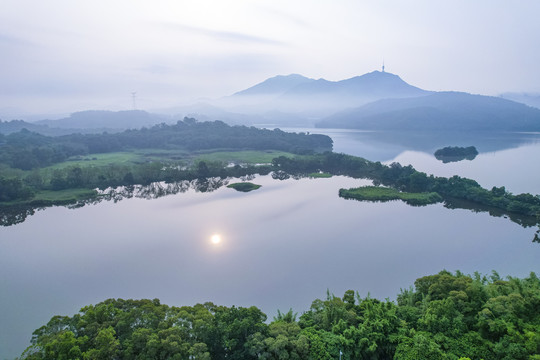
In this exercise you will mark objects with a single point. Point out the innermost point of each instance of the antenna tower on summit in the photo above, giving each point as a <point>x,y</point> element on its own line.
<point>383,66</point>
<point>133,94</point>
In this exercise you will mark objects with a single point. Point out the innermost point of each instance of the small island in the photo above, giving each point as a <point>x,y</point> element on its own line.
<point>244,186</point>
<point>456,153</point>
<point>379,193</point>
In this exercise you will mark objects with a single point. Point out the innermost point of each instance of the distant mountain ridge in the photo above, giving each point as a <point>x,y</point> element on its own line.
<point>275,85</point>
<point>88,122</point>
<point>13,126</point>
<point>377,100</point>
<point>439,111</point>
<point>375,84</point>
<point>92,119</point>
<point>299,95</point>
<point>524,98</point>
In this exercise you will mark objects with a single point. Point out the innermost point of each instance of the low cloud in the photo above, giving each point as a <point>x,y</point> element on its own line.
<point>228,36</point>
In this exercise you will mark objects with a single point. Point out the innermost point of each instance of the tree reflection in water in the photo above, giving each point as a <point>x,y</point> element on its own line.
<point>11,215</point>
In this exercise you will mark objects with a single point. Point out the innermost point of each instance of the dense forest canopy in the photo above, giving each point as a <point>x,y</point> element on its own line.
<point>446,316</point>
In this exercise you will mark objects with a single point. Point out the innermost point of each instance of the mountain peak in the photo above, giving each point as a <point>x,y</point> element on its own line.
<point>376,84</point>
<point>295,93</point>
<point>276,85</point>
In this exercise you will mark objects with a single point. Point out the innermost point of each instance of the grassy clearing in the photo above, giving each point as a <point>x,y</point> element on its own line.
<point>122,158</point>
<point>377,193</point>
<point>98,160</point>
<point>244,157</point>
<point>320,175</point>
<point>244,186</point>
<point>9,172</point>
<point>64,195</point>
<point>148,155</point>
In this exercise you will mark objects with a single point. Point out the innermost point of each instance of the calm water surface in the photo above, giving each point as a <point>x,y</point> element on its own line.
<point>505,159</point>
<point>282,245</point>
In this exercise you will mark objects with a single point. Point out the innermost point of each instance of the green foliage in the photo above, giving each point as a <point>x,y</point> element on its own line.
<point>377,193</point>
<point>288,317</point>
<point>244,186</point>
<point>14,189</point>
<point>406,179</point>
<point>456,153</point>
<point>446,316</point>
<point>421,346</point>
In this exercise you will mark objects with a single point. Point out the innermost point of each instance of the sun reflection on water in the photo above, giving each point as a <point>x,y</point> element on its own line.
<point>215,239</point>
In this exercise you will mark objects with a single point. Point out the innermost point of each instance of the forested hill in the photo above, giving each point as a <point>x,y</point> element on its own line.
<point>446,317</point>
<point>27,150</point>
<point>442,111</point>
<point>97,119</point>
<point>87,122</point>
<point>9,127</point>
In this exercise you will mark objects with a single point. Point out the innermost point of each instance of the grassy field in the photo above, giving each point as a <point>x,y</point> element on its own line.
<point>122,158</point>
<point>244,186</point>
<point>58,197</point>
<point>320,175</point>
<point>97,160</point>
<point>147,155</point>
<point>64,195</point>
<point>377,193</point>
<point>244,157</point>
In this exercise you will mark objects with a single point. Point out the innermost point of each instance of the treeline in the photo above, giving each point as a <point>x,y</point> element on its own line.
<point>27,150</point>
<point>446,316</point>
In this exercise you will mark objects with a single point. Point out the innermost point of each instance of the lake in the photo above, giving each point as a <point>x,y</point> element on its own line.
<point>282,246</point>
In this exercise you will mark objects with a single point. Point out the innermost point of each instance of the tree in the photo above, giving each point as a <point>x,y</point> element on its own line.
<point>420,347</point>
<point>14,189</point>
<point>105,346</point>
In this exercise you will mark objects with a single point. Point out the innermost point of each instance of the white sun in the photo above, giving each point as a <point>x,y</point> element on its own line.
<point>215,239</point>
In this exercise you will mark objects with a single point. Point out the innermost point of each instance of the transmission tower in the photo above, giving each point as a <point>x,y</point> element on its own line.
<point>133,96</point>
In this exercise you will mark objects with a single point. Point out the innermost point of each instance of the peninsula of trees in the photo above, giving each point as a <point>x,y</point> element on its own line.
<point>407,179</point>
<point>445,317</point>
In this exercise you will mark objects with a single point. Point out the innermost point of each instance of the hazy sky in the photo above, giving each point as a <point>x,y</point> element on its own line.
<point>67,55</point>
